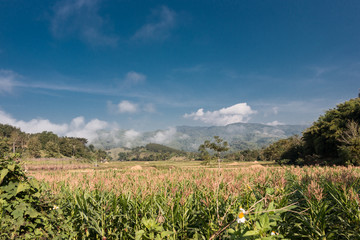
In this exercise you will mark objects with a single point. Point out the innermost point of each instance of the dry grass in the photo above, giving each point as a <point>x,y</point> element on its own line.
<point>144,179</point>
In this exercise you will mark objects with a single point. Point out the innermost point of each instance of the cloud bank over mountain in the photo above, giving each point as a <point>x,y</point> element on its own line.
<point>237,113</point>
<point>107,135</point>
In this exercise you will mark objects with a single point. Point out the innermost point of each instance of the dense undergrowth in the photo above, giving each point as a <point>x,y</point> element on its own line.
<point>249,203</point>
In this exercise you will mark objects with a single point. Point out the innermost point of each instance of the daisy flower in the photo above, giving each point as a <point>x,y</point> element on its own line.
<point>241,217</point>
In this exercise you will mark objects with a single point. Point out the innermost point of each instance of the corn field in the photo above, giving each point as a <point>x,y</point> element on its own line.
<point>203,203</point>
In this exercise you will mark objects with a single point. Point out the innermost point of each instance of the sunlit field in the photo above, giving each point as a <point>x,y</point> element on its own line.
<point>187,200</point>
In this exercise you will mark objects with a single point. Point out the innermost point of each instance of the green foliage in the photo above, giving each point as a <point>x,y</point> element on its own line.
<point>246,155</point>
<point>99,214</point>
<point>285,150</point>
<point>160,148</point>
<point>26,212</point>
<point>329,209</point>
<point>151,152</point>
<point>52,149</point>
<point>13,137</point>
<point>45,144</point>
<point>217,147</point>
<point>6,130</point>
<point>323,138</point>
<point>34,147</point>
<point>350,150</point>
<point>333,139</point>
<point>123,156</point>
<point>287,203</point>
<point>152,229</point>
<point>4,146</point>
<point>101,155</point>
<point>46,137</point>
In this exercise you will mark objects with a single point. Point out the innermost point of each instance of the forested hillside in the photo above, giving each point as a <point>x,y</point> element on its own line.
<point>45,144</point>
<point>153,152</point>
<point>333,139</point>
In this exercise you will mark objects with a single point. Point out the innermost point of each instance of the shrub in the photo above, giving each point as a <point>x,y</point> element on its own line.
<point>26,210</point>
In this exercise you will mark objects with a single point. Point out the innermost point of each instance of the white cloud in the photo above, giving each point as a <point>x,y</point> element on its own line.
<point>127,107</point>
<point>77,128</point>
<point>162,137</point>
<point>159,28</point>
<point>134,78</point>
<point>131,134</point>
<point>34,125</point>
<point>7,81</point>
<point>6,118</point>
<point>130,107</point>
<point>81,18</point>
<point>237,113</point>
<point>40,125</point>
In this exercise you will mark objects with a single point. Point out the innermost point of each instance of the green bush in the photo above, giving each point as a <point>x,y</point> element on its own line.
<point>26,210</point>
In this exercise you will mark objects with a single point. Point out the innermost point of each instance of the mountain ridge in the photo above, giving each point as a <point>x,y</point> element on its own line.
<point>240,136</point>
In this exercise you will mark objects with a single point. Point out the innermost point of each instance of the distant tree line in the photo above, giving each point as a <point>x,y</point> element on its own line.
<point>46,144</point>
<point>152,152</point>
<point>246,155</point>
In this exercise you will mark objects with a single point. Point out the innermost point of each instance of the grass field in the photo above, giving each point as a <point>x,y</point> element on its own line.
<point>68,164</point>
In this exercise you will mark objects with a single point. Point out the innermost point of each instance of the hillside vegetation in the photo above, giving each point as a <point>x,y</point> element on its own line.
<point>46,144</point>
<point>151,152</point>
<point>333,139</point>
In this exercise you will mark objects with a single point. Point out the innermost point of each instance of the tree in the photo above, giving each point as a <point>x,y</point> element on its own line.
<point>66,147</point>
<point>323,138</point>
<point>289,149</point>
<point>217,146</point>
<point>15,140</point>
<point>204,154</point>
<point>101,155</point>
<point>123,156</point>
<point>34,147</point>
<point>4,146</point>
<point>6,130</point>
<point>92,148</point>
<point>46,137</point>
<point>350,150</point>
<point>52,149</point>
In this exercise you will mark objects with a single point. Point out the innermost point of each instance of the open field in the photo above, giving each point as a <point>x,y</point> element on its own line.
<point>71,164</point>
<point>186,200</point>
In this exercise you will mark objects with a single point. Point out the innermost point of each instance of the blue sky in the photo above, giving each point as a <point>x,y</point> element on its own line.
<point>74,67</point>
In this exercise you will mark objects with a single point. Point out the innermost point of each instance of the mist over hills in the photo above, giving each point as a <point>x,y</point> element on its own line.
<point>240,136</point>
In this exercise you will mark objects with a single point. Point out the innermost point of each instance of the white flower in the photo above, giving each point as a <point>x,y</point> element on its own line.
<point>273,233</point>
<point>241,217</point>
<point>55,207</point>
